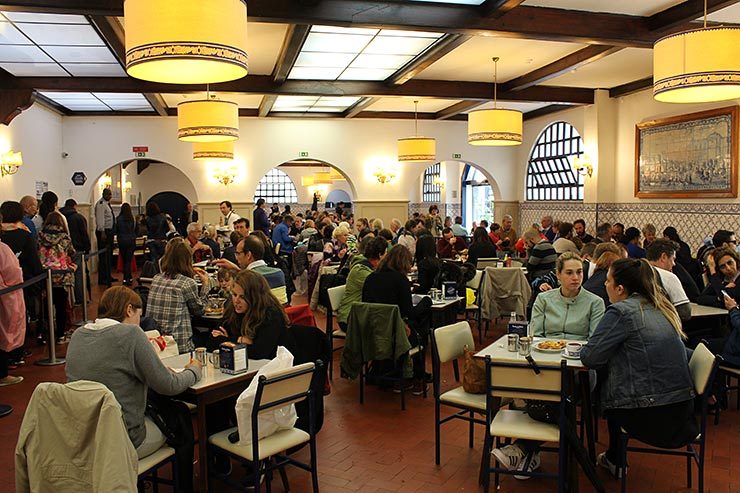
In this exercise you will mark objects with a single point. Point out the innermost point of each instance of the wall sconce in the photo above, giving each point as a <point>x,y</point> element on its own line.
<point>384,176</point>
<point>582,165</point>
<point>104,182</point>
<point>225,176</point>
<point>10,162</point>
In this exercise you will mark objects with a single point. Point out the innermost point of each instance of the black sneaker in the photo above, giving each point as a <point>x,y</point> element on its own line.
<point>221,464</point>
<point>407,385</point>
<point>419,388</point>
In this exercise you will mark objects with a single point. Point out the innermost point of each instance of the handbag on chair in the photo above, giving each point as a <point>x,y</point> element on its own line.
<point>474,373</point>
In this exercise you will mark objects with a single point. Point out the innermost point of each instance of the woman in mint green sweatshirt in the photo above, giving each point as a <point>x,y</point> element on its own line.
<point>568,312</point>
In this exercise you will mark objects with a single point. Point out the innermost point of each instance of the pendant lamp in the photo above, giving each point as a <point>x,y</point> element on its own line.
<point>497,126</point>
<point>186,41</point>
<point>697,66</point>
<point>207,120</point>
<point>217,151</point>
<point>322,178</point>
<point>417,149</point>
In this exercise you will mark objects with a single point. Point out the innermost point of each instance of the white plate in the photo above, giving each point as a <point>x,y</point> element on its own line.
<point>565,354</point>
<point>537,347</point>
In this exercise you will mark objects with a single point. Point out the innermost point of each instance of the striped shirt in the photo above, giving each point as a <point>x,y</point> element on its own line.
<point>542,259</point>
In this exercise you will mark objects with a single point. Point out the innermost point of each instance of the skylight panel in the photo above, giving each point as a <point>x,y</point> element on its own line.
<point>9,35</point>
<point>45,18</point>
<point>337,53</point>
<point>85,101</point>
<point>61,34</point>
<point>311,104</point>
<point>80,54</point>
<point>95,69</point>
<point>23,54</point>
<point>34,69</point>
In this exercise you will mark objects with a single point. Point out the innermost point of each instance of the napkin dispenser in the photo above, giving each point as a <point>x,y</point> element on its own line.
<point>234,358</point>
<point>520,328</point>
<point>449,290</point>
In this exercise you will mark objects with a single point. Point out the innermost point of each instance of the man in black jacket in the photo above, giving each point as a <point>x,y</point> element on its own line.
<point>80,240</point>
<point>188,216</point>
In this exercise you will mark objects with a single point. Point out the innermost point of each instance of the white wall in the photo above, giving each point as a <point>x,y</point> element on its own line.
<point>37,133</point>
<point>354,146</point>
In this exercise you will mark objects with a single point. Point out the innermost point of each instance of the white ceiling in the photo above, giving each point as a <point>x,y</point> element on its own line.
<point>629,7</point>
<point>263,46</point>
<point>620,68</point>
<point>472,60</point>
<point>243,100</point>
<point>407,104</point>
<point>730,14</point>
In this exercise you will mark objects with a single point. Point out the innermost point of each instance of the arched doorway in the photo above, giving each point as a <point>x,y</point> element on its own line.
<point>476,196</point>
<point>295,182</point>
<point>172,203</point>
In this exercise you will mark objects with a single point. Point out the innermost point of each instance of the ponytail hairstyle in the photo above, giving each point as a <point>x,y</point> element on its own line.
<point>638,276</point>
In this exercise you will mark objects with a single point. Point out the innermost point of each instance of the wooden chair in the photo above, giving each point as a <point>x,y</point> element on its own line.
<point>448,344</point>
<point>521,381</point>
<point>274,390</point>
<point>487,262</point>
<point>335,299</point>
<point>703,366</point>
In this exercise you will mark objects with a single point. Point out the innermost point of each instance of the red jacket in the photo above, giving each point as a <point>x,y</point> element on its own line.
<point>446,250</point>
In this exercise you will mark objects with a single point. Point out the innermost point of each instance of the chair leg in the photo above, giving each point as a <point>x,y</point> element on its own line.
<point>331,360</point>
<point>700,462</point>
<point>257,474</point>
<point>437,432</point>
<point>268,477</point>
<point>688,468</point>
<point>496,477</point>
<point>155,481</point>
<point>403,392</point>
<point>471,430</point>
<point>623,439</point>
<point>176,473</point>
<point>314,465</point>
<point>284,478</point>
<point>562,466</point>
<point>363,369</point>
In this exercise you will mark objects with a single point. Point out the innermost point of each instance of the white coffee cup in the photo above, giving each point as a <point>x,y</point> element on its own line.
<point>574,349</point>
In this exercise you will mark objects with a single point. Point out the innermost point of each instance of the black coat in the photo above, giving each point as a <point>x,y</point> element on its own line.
<point>77,229</point>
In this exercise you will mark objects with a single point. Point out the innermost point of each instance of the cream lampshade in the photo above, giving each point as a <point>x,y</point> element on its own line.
<point>213,150</point>
<point>322,178</point>
<point>186,41</point>
<point>417,149</point>
<point>495,127</point>
<point>207,121</point>
<point>697,66</point>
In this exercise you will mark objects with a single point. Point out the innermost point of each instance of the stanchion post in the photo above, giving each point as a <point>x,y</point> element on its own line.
<point>84,320</point>
<point>52,360</point>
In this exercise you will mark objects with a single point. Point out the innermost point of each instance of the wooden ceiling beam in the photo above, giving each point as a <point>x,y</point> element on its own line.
<point>559,67</point>
<point>268,101</point>
<point>360,106</point>
<point>263,84</point>
<point>443,46</point>
<point>157,102</point>
<point>294,39</point>
<point>684,13</point>
<point>497,8</point>
<point>547,110</point>
<point>542,23</point>
<point>631,87</point>
<point>456,109</point>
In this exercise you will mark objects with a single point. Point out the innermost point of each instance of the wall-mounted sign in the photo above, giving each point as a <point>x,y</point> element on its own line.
<point>79,178</point>
<point>41,187</point>
<point>140,151</point>
<point>303,154</point>
<point>457,156</point>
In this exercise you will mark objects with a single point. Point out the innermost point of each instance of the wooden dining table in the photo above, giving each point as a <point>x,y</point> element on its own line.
<point>214,386</point>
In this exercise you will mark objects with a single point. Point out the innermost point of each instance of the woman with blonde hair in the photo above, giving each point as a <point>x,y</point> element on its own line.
<point>255,317</point>
<point>647,389</point>
<point>174,296</point>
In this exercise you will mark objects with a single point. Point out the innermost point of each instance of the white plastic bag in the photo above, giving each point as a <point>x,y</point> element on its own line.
<point>270,421</point>
<point>164,346</point>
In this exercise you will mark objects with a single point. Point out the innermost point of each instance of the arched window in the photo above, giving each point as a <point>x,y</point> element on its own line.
<point>276,186</point>
<point>431,191</point>
<point>550,173</point>
<point>477,197</point>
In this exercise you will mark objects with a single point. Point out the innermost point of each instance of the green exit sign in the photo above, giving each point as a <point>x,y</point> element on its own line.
<point>141,154</point>
<point>457,156</point>
<point>303,154</point>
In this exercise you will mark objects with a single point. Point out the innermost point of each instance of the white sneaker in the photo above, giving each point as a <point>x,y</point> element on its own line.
<point>604,462</point>
<point>529,464</point>
<point>509,456</point>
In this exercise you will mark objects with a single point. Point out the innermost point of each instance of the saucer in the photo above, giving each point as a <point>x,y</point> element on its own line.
<point>565,354</point>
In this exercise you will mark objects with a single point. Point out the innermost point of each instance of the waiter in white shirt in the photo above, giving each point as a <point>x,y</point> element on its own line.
<point>105,221</point>
<point>229,216</point>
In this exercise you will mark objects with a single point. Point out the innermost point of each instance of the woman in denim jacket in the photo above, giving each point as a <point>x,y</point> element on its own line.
<point>648,389</point>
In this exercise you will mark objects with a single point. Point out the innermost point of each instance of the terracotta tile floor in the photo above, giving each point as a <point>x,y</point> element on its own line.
<point>376,447</point>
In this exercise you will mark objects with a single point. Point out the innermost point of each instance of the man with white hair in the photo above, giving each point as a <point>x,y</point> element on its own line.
<point>396,227</point>
<point>508,234</point>
<point>199,249</point>
<point>546,222</point>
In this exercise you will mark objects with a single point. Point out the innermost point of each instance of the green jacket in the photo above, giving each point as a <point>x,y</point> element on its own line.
<point>360,269</point>
<point>557,317</point>
<point>375,332</point>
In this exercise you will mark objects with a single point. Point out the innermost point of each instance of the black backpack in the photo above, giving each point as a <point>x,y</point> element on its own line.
<point>458,273</point>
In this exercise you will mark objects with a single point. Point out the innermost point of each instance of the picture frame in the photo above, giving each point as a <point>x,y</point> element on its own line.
<point>688,156</point>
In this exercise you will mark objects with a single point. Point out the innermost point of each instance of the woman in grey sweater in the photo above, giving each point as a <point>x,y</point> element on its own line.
<point>114,351</point>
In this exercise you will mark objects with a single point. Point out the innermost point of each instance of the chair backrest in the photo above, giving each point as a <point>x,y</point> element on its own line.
<point>335,296</point>
<point>476,281</point>
<point>701,366</point>
<point>519,380</point>
<point>487,262</point>
<point>277,248</point>
<point>450,341</point>
<point>284,387</point>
